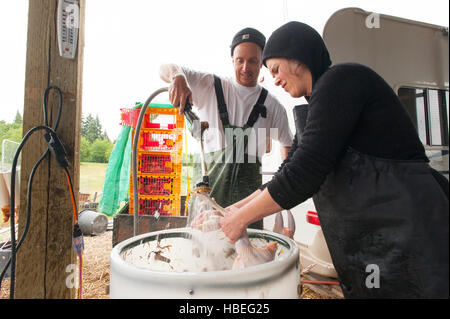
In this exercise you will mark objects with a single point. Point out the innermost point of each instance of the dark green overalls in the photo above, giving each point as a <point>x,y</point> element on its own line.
<point>234,174</point>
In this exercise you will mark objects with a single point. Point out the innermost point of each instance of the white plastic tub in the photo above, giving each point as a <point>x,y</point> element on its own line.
<point>279,278</point>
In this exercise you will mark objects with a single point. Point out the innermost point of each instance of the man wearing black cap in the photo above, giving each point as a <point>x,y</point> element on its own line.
<point>242,117</point>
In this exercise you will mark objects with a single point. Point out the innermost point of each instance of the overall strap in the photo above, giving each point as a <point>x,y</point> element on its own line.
<point>222,106</point>
<point>258,109</point>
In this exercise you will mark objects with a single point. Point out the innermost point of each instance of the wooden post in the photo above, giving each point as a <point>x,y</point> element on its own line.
<point>47,250</point>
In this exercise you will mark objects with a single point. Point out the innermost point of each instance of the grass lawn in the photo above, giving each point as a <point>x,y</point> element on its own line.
<point>92,177</point>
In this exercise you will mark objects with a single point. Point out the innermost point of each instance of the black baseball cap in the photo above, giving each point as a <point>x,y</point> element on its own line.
<point>248,35</point>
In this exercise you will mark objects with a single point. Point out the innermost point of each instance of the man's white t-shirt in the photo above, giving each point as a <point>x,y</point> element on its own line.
<point>240,101</point>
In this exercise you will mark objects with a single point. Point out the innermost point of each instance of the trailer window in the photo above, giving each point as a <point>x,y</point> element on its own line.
<point>428,109</point>
<point>446,103</point>
<point>435,123</point>
<point>420,117</point>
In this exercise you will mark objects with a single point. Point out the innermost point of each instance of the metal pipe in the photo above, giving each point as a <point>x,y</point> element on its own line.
<point>202,156</point>
<point>134,156</point>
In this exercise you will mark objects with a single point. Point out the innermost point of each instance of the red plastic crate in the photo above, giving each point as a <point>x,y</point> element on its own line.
<point>161,120</point>
<point>129,117</point>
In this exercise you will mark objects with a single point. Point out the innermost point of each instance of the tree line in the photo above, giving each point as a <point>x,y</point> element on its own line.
<point>12,131</point>
<point>95,145</point>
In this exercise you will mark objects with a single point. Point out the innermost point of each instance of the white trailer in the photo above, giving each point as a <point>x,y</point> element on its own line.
<point>411,56</point>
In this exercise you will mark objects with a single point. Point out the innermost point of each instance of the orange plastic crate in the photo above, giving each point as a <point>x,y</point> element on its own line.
<point>159,160</point>
<point>158,163</point>
<point>160,121</point>
<point>165,205</point>
<point>152,185</point>
<point>163,118</point>
<point>160,141</point>
<point>155,163</point>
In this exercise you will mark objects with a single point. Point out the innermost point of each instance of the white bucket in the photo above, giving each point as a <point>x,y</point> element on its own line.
<point>275,279</point>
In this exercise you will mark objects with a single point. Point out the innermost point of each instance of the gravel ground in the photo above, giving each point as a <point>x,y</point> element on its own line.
<point>95,268</point>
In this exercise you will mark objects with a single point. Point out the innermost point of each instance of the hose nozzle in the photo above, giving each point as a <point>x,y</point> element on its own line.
<point>197,127</point>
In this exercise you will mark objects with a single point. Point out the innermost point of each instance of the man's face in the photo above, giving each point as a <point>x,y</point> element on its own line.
<point>247,62</point>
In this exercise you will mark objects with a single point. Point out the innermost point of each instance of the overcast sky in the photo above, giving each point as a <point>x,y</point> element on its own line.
<point>127,41</point>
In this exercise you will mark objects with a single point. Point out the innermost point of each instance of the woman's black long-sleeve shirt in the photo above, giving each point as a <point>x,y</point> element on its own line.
<point>350,106</point>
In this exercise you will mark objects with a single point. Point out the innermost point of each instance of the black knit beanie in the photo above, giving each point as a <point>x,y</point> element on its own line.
<point>298,41</point>
<point>248,35</point>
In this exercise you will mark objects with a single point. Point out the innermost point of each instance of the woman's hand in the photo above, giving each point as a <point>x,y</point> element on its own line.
<point>207,221</point>
<point>258,205</point>
<point>231,209</point>
<point>233,226</point>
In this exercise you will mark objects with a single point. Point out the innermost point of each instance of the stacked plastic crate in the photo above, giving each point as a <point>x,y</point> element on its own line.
<point>159,159</point>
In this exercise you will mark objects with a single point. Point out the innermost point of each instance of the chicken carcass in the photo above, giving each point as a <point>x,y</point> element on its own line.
<point>247,254</point>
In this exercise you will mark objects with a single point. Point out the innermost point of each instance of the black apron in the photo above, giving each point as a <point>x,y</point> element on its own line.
<point>234,178</point>
<point>387,216</point>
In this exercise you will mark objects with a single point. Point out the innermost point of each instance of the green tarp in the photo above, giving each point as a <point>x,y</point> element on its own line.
<point>117,177</point>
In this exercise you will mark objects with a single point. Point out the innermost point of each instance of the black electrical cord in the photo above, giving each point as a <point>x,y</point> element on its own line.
<point>51,134</point>
<point>12,208</point>
<point>44,105</point>
<point>27,222</point>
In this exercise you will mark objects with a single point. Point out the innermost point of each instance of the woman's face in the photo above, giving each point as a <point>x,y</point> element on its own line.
<point>294,77</point>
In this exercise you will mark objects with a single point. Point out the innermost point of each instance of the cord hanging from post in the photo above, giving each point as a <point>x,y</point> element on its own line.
<point>56,147</point>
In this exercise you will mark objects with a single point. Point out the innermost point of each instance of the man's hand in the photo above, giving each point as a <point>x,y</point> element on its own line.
<point>179,92</point>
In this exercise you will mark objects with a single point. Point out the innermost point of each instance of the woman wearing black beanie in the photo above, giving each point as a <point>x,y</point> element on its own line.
<point>381,206</point>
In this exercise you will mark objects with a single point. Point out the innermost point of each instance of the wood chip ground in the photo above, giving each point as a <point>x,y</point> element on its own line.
<point>96,269</point>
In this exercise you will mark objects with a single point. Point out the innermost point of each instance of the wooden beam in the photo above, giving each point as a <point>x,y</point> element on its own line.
<point>47,250</point>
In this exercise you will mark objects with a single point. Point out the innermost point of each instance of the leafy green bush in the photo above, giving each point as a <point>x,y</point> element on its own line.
<point>11,131</point>
<point>85,150</point>
<point>100,151</point>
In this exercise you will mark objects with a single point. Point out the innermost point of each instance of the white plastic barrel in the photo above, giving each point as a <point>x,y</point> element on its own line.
<point>276,279</point>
